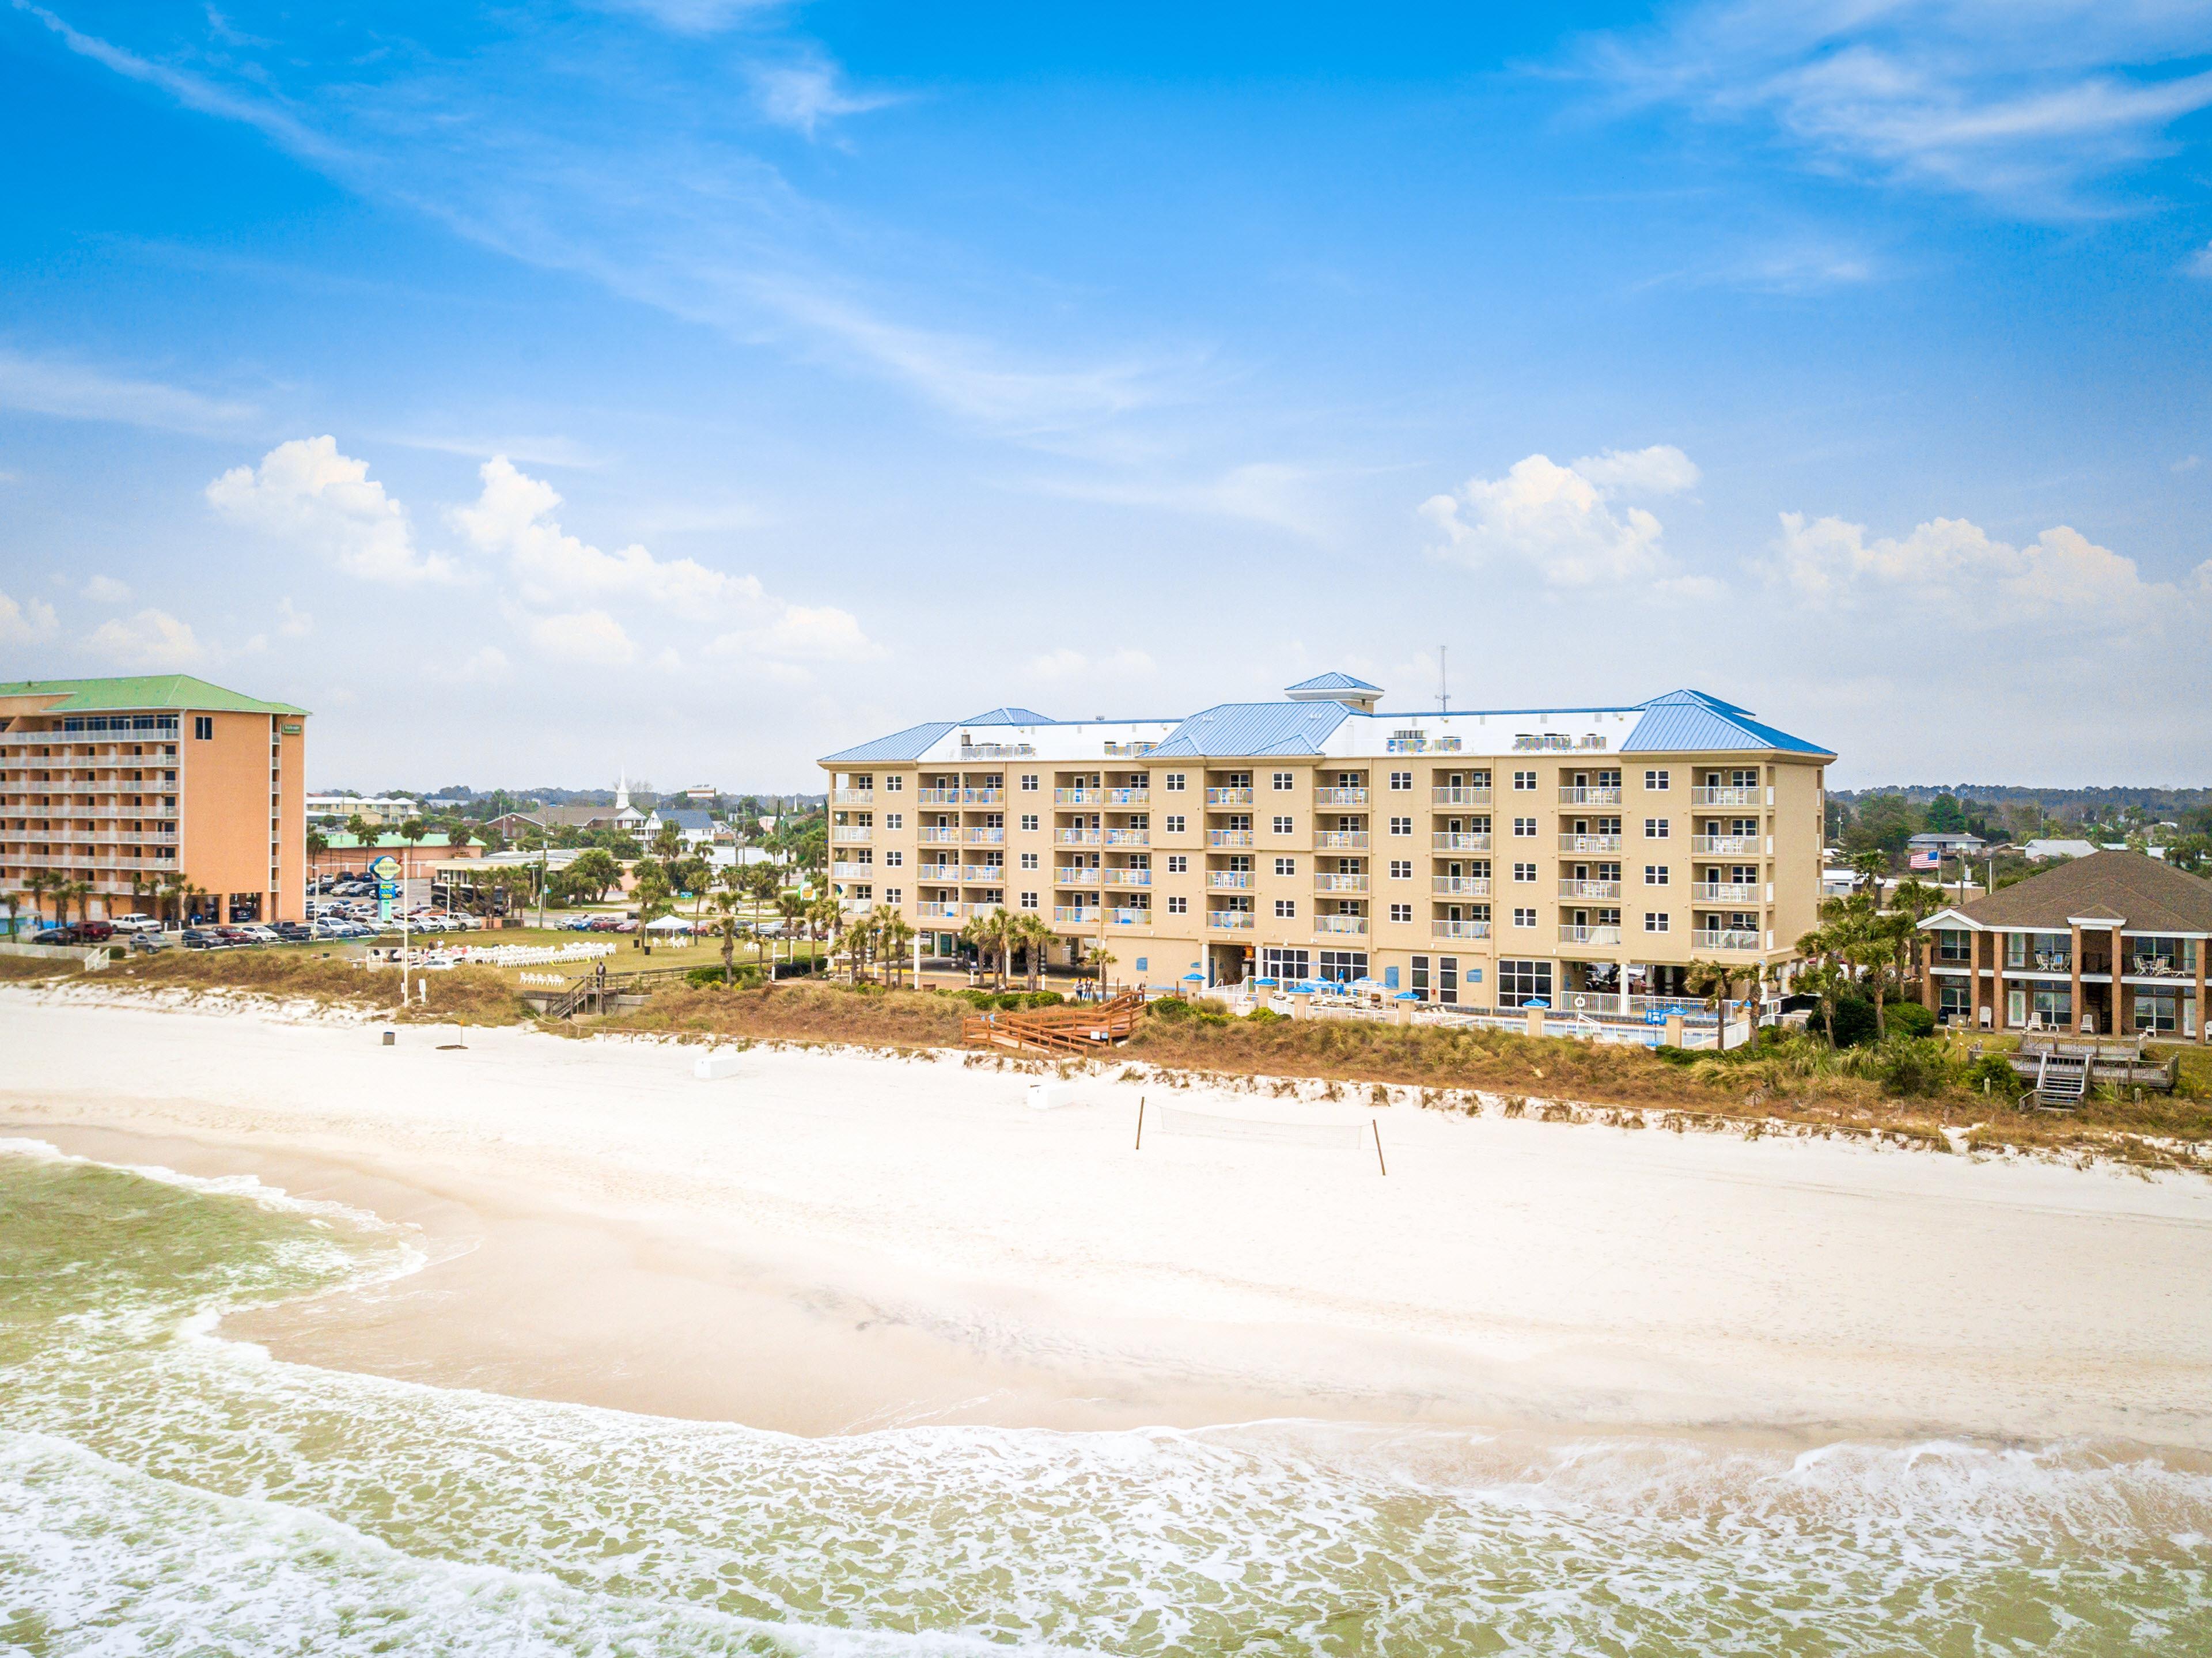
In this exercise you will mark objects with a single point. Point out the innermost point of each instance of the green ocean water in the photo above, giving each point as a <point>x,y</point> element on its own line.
<point>166,1491</point>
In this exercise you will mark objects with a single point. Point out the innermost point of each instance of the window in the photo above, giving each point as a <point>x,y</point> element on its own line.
<point>1284,965</point>
<point>1178,906</point>
<point>1956,1002</point>
<point>1028,860</point>
<point>1957,944</point>
<point>1657,780</point>
<point>893,785</point>
<point>1401,826</point>
<point>894,858</point>
<point>1029,781</point>
<point>1172,823</point>
<point>1178,864</point>
<point>1524,917</point>
<point>1286,908</point>
<point>1176,781</point>
<point>1525,828</point>
<point>1343,966</point>
<point>1283,781</point>
<point>1522,982</point>
<point>1029,820</point>
<point>1028,901</point>
<point>1402,912</point>
<point>1654,828</point>
<point>894,820</point>
<point>1286,866</point>
<point>203,726</point>
<point>1654,875</point>
<point>1282,826</point>
<point>1401,781</point>
<point>1524,781</point>
<point>1524,872</point>
<point>1655,920</point>
<point>1401,869</point>
<point>893,895</point>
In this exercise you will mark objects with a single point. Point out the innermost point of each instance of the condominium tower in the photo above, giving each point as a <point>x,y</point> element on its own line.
<point>115,784</point>
<point>1488,858</point>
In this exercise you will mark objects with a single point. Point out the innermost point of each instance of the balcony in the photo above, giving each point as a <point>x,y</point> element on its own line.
<point>936,797</point>
<point>1342,840</point>
<point>982,909</point>
<point>1077,837</point>
<point>1724,938</point>
<point>1570,934</point>
<point>1229,797</point>
<point>1355,924</point>
<point>1725,845</point>
<point>1128,878</point>
<point>1229,920</point>
<point>935,912</point>
<point>1460,886</point>
<point>1128,837</point>
<point>1076,796</point>
<point>1229,837</point>
<point>941,834</point>
<point>1128,797</point>
<point>1129,917</point>
<point>936,875</point>
<point>1459,929</point>
<point>1340,797</point>
<point>852,872</point>
<point>1464,797</point>
<point>1234,878</point>
<point>1589,843</point>
<point>1339,883</point>
<point>1448,840</point>
<point>989,874</point>
<point>1608,795</point>
<point>983,797</point>
<point>1065,877</point>
<point>856,797</point>
<point>1727,797</point>
<point>1715,892</point>
<point>1590,889</point>
<point>1075,915</point>
<point>983,837</point>
<point>848,834</point>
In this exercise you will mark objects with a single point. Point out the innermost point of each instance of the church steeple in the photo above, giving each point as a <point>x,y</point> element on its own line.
<point>621,791</point>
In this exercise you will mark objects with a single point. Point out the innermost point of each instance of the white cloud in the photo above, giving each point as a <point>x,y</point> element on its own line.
<point>2200,263</point>
<point>105,590</point>
<point>2020,104</point>
<point>25,623</point>
<point>487,663</point>
<point>695,17</point>
<point>151,639</point>
<point>1561,522</point>
<point>292,621</point>
<point>74,392</point>
<point>514,517</point>
<point>1069,664</point>
<point>802,95</point>
<point>801,633</point>
<point>1260,492</point>
<point>307,494</point>
<point>1955,573</point>
<point>2187,463</point>
<point>592,637</point>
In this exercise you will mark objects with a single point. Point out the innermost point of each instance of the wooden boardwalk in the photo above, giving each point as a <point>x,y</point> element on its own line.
<point>1085,1028</point>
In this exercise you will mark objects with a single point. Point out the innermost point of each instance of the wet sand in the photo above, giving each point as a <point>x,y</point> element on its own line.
<point>831,1243</point>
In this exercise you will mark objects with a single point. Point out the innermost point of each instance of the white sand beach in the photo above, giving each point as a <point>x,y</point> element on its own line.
<point>825,1243</point>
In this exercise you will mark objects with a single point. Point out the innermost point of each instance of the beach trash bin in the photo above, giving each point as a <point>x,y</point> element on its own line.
<point>391,1038</point>
<point>1051,1096</point>
<point>708,1066</point>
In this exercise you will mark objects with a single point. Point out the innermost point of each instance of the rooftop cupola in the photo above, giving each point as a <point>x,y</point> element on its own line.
<point>1354,693</point>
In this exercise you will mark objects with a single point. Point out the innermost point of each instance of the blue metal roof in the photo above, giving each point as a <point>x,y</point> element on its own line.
<point>1687,721</point>
<point>1254,728</point>
<point>1333,681</point>
<point>909,744</point>
<point>1008,716</point>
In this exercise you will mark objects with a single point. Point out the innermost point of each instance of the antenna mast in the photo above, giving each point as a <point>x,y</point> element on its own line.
<point>1443,682</point>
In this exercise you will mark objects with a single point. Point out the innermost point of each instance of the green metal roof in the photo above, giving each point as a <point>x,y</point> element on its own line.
<point>159,690</point>
<point>339,840</point>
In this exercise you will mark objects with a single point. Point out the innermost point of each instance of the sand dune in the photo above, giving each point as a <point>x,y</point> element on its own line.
<point>825,1243</point>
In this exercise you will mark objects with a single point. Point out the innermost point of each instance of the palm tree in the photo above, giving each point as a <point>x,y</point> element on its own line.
<point>1716,981</point>
<point>892,935</point>
<point>36,885</point>
<point>1098,958</point>
<point>1820,975</point>
<point>791,907</point>
<point>1870,867</point>
<point>726,929</point>
<point>412,832</point>
<point>668,843</point>
<point>363,831</point>
<point>1035,934</point>
<point>822,917</point>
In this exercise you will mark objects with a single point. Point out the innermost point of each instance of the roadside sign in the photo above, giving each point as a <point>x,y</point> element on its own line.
<point>384,866</point>
<point>387,890</point>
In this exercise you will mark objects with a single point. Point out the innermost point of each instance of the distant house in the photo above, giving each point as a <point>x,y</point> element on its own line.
<point>371,808</point>
<point>1929,850</point>
<point>697,828</point>
<point>510,826</point>
<point>2037,851</point>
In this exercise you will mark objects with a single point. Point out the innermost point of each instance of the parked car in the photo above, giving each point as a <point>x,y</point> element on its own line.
<point>292,932</point>
<point>197,938</point>
<point>136,923</point>
<point>56,935</point>
<point>146,944</point>
<point>94,933</point>
<point>233,937</point>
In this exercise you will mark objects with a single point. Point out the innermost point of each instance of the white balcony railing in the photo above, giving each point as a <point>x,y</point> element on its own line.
<point>1340,796</point>
<point>936,797</point>
<point>1606,795</point>
<point>856,797</point>
<point>1128,837</point>
<point>1229,920</point>
<point>942,834</point>
<point>1731,795</point>
<point>1129,917</point>
<point>1076,837</point>
<point>1229,837</point>
<point>1724,938</point>
<point>1440,929</point>
<point>1075,914</point>
<point>1229,878</point>
<point>1717,892</point>
<point>990,874</point>
<point>1590,889</point>
<point>1064,876</point>
<point>852,872</point>
<point>1460,886</point>
<point>1448,840</point>
<point>1587,843</point>
<point>851,835</point>
<point>1229,797</point>
<point>1725,845</point>
<point>1128,878</point>
<point>983,837</point>
<point>1128,797</point>
<point>1352,924</point>
<point>1343,840</point>
<point>936,911</point>
<point>982,797</point>
<point>1570,934</point>
<point>1458,797</point>
<point>1075,797</point>
<point>1340,882</point>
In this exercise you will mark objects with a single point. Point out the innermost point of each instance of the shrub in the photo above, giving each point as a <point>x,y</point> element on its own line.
<point>744,976</point>
<point>1910,1019</point>
<point>1170,1008</point>
<point>1993,1072</point>
<point>1266,1016</point>
<point>1853,1021</point>
<point>1044,999</point>
<point>1906,1066</point>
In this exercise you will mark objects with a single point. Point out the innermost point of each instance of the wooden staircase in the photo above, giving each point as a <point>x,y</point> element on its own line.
<point>2062,1081</point>
<point>1085,1028</point>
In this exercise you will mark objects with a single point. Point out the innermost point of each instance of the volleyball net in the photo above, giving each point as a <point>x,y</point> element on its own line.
<point>1210,1125</point>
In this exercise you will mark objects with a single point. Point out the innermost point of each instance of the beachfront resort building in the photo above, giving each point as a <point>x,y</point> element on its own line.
<point>1569,856</point>
<point>2112,944</point>
<point>119,788</point>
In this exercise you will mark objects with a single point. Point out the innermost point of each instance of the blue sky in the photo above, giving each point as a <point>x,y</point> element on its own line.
<point>695,386</point>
